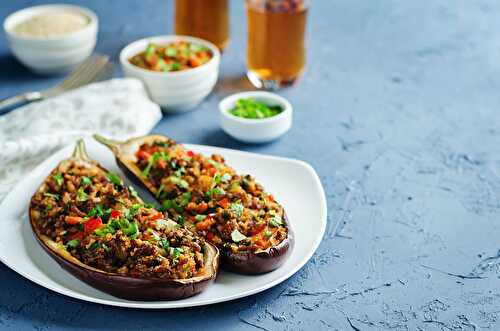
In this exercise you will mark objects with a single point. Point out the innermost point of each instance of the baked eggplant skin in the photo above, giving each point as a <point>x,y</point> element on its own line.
<point>247,263</point>
<point>122,286</point>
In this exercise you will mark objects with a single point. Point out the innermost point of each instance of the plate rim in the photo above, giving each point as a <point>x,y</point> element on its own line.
<point>180,304</point>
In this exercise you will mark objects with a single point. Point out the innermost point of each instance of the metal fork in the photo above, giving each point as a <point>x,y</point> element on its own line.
<point>89,71</point>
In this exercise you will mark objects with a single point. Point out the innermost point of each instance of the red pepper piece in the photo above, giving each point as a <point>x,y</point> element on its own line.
<point>115,214</point>
<point>92,224</point>
<point>190,153</point>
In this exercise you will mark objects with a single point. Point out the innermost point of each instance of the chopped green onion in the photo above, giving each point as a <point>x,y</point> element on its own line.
<point>171,52</point>
<point>249,108</point>
<point>179,182</point>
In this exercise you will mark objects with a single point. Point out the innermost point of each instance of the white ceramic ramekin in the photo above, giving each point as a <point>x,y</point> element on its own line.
<point>255,130</point>
<point>179,90</point>
<point>56,54</point>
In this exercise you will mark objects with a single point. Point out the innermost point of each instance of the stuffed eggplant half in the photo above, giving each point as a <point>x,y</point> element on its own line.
<point>100,231</point>
<point>210,199</point>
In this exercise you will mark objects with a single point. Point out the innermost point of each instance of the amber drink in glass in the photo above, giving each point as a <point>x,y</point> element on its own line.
<point>206,19</point>
<point>275,45</point>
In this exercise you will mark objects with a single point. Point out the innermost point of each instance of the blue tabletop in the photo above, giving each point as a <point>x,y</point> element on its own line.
<point>398,112</point>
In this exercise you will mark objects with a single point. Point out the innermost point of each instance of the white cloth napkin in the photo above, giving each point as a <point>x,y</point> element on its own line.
<point>118,108</point>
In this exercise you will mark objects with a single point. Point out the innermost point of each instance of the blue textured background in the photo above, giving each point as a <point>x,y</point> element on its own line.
<point>398,113</point>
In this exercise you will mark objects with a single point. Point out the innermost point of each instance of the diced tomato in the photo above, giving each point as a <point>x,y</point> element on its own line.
<point>212,170</point>
<point>162,164</point>
<point>78,235</point>
<point>270,198</point>
<point>205,224</point>
<point>157,216</point>
<point>202,207</point>
<point>92,224</point>
<point>115,214</point>
<point>257,229</point>
<point>73,220</point>
<point>210,236</point>
<point>190,153</point>
<point>141,154</point>
<point>194,62</point>
<point>224,203</point>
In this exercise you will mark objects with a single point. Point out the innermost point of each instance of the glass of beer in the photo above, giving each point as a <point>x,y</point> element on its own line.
<point>275,45</point>
<point>206,19</point>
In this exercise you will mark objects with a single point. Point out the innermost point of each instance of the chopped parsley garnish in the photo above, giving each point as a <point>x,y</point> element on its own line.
<point>179,182</point>
<point>165,244</point>
<point>114,178</point>
<point>237,208</point>
<point>73,243</point>
<point>175,252</point>
<point>58,178</point>
<point>86,181</point>
<point>275,221</point>
<point>153,160</point>
<point>199,218</point>
<point>81,195</point>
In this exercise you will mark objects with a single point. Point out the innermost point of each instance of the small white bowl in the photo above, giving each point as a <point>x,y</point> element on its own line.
<point>175,91</point>
<point>255,130</point>
<point>53,54</point>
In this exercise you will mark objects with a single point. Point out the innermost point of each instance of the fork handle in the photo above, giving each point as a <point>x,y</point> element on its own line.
<point>18,99</point>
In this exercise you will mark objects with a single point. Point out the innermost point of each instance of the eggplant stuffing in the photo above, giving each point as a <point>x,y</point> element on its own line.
<point>230,210</point>
<point>88,220</point>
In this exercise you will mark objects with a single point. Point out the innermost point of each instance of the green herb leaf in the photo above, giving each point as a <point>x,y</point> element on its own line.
<point>86,181</point>
<point>179,182</point>
<point>165,244</point>
<point>81,195</point>
<point>185,199</point>
<point>275,221</point>
<point>180,220</point>
<point>237,208</point>
<point>114,178</point>
<point>132,229</point>
<point>171,52</point>
<point>199,217</point>
<point>175,252</point>
<point>58,178</point>
<point>73,243</point>
<point>237,236</point>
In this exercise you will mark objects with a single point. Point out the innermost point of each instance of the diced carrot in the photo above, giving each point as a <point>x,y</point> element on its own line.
<point>73,220</point>
<point>142,154</point>
<point>162,164</point>
<point>224,203</point>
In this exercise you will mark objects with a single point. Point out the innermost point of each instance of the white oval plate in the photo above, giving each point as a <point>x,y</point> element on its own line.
<point>294,183</point>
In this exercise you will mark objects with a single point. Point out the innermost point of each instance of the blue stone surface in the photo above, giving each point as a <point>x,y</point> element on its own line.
<point>398,112</point>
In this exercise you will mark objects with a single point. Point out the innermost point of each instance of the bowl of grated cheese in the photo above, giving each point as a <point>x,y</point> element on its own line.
<point>51,39</point>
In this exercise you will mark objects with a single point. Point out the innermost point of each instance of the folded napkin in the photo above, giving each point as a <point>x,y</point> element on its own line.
<point>118,108</point>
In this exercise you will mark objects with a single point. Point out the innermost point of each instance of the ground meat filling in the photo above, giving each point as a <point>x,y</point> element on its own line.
<point>103,223</point>
<point>212,200</point>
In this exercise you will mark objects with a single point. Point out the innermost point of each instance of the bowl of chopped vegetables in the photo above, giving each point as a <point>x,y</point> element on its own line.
<point>178,71</point>
<point>255,117</point>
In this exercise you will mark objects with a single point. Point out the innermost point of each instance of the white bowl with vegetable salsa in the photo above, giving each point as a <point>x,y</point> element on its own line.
<point>255,117</point>
<point>178,71</point>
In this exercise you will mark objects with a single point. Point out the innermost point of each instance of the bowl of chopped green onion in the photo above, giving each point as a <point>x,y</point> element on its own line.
<point>255,117</point>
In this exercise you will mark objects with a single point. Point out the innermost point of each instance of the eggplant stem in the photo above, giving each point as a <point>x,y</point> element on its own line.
<point>114,145</point>
<point>80,151</point>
